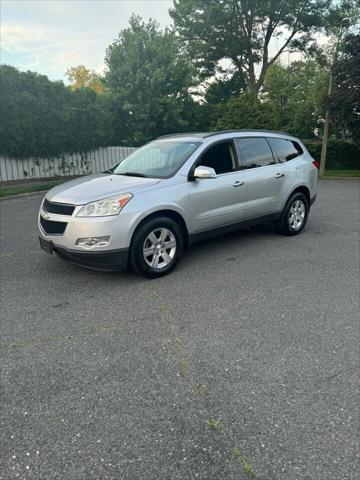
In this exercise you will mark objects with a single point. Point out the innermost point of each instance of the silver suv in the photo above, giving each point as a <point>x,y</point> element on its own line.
<point>147,209</point>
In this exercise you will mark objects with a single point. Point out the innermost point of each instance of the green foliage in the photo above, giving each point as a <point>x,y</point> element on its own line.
<point>216,425</point>
<point>345,100</point>
<point>246,111</point>
<point>150,85</point>
<point>221,90</point>
<point>340,154</point>
<point>41,118</point>
<point>341,17</point>
<point>246,465</point>
<point>298,94</point>
<point>242,31</point>
<point>149,76</point>
<point>202,391</point>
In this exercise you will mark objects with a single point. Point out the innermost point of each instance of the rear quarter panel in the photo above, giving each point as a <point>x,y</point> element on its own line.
<point>300,172</point>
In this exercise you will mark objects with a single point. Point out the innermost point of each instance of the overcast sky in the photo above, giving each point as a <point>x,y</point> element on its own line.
<point>48,36</point>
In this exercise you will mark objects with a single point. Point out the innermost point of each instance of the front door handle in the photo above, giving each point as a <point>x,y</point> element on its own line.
<point>279,175</point>
<point>238,183</point>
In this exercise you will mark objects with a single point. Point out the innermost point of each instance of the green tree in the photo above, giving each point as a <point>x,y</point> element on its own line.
<point>343,16</point>
<point>298,94</point>
<point>41,118</point>
<point>243,32</point>
<point>221,90</point>
<point>345,99</point>
<point>150,77</point>
<point>246,111</point>
<point>89,121</point>
<point>80,77</point>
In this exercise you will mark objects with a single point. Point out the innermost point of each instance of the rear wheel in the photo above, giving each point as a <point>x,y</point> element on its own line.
<point>295,215</point>
<point>156,247</point>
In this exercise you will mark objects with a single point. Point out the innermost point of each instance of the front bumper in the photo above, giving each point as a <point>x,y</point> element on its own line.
<point>111,260</point>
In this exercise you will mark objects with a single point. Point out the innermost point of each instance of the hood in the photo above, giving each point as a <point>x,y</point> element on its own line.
<point>95,187</point>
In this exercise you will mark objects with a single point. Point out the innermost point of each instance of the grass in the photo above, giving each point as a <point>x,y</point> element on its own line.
<point>341,173</point>
<point>246,466</point>
<point>216,425</point>
<point>202,391</point>
<point>6,190</point>
<point>183,367</point>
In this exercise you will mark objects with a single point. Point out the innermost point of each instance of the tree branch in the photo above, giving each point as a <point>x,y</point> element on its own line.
<point>280,51</point>
<point>267,63</point>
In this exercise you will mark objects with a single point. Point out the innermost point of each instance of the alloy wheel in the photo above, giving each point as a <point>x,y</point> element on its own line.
<point>297,215</point>
<point>159,248</point>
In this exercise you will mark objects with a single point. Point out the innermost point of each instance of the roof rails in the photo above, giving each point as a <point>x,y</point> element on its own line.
<point>185,134</point>
<point>244,130</point>
<point>211,134</point>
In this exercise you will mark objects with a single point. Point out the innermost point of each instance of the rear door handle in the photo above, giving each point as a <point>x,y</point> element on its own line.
<point>279,175</point>
<point>238,183</point>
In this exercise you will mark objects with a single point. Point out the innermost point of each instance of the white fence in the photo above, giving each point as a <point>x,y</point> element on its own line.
<point>71,164</point>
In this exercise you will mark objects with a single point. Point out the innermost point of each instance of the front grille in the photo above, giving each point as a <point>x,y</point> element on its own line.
<point>52,228</point>
<point>59,208</point>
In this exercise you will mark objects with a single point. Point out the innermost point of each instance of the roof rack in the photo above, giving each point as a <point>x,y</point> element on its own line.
<point>244,130</point>
<point>211,134</point>
<point>185,134</point>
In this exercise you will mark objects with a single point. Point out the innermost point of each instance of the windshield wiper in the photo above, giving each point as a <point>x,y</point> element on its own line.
<point>133,174</point>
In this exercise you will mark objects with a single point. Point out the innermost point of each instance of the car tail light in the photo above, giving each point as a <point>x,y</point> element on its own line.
<point>316,164</point>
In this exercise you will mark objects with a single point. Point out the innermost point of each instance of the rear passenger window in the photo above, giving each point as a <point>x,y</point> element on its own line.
<point>254,152</point>
<point>286,149</point>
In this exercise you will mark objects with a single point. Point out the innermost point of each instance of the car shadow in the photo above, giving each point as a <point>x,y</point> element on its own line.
<point>215,245</point>
<point>243,235</point>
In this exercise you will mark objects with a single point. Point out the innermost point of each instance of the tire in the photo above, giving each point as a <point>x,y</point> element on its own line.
<point>156,247</point>
<point>294,216</point>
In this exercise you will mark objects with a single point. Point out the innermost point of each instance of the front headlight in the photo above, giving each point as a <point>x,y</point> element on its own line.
<point>105,207</point>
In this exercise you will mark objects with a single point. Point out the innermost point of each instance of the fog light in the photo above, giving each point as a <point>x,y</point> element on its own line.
<point>89,242</point>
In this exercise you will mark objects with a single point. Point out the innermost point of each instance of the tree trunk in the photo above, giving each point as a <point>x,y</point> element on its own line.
<point>252,79</point>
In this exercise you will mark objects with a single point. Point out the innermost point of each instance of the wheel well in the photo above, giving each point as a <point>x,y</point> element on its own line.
<point>174,216</point>
<point>303,190</point>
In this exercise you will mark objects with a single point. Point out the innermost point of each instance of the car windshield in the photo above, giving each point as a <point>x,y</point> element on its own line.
<point>159,159</point>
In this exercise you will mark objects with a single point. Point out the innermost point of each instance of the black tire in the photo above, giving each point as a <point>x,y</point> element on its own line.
<point>283,225</point>
<point>137,259</point>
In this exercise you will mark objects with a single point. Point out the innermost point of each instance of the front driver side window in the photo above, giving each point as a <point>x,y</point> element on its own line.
<point>220,157</point>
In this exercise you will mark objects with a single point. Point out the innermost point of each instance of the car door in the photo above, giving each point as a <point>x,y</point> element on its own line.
<point>219,201</point>
<point>263,175</point>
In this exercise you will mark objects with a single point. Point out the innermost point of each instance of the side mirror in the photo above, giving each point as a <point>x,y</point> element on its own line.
<point>204,172</point>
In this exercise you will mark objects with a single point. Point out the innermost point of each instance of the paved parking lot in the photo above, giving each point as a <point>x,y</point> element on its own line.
<point>242,364</point>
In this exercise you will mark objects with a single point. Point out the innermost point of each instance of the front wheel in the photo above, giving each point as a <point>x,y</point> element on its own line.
<point>156,247</point>
<point>294,216</point>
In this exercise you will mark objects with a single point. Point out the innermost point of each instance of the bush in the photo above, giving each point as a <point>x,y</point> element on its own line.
<point>246,111</point>
<point>341,155</point>
<point>43,118</point>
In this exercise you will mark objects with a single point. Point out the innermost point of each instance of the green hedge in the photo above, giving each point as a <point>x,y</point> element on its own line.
<point>340,155</point>
<point>44,119</point>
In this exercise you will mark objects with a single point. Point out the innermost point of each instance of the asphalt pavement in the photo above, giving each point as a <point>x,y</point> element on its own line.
<point>241,364</point>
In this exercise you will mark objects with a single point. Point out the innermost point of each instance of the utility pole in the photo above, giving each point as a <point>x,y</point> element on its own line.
<point>344,23</point>
<point>325,140</point>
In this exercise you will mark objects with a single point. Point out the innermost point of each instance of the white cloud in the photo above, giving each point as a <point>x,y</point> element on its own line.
<point>30,39</point>
<point>51,50</point>
<point>50,36</point>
